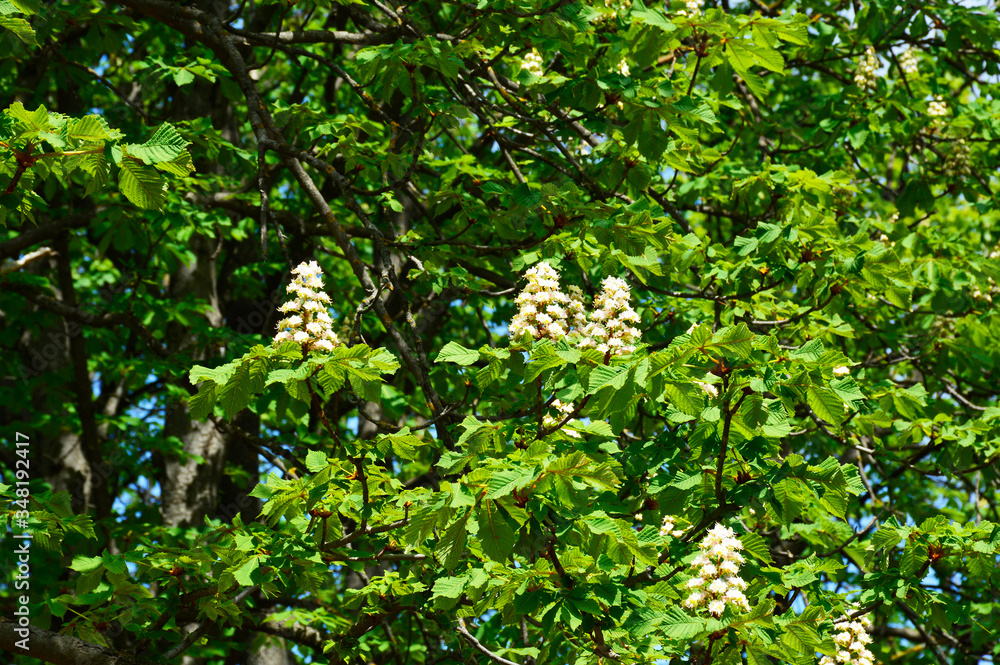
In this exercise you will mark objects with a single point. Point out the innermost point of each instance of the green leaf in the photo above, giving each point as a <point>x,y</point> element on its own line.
<point>503,483</point>
<point>825,404</point>
<point>181,165</point>
<point>21,29</point>
<point>495,534</point>
<point>182,77</point>
<point>453,352</point>
<point>735,340</point>
<point>142,185</point>
<point>203,403</point>
<point>885,537</point>
<point>755,545</point>
<point>810,351</point>
<point>165,145</point>
<point>754,411</point>
<point>452,544</point>
<point>29,7</point>
<point>607,375</point>
<point>91,129</point>
<point>449,587</point>
<point>234,396</point>
<point>679,626</point>
<point>316,461</point>
<point>245,573</point>
<point>366,387</point>
<point>653,17</point>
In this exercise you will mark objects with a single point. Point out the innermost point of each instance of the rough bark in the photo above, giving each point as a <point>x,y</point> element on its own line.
<point>59,649</point>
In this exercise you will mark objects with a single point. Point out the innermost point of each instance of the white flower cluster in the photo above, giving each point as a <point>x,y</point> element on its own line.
<point>865,77</point>
<point>842,370</point>
<point>708,388</point>
<point>693,6</point>
<point>959,161</point>
<point>908,61</point>
<point>668,528</point>
<point>718,583</point>
<point>308,322</point>
<point>608,329</point>
<point>576,308</point>
<point>938,108</point>
<point>543,308</point>
<point>545,312</point>
<point>533,63</point>
<point>623,68</point>
<point>851,643</point>
<point>618,6</point>
<point>564,409</point>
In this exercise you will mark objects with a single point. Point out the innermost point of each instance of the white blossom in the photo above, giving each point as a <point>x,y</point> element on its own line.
<point>851,640</point>
<point>865,76</point>
<point>564,409</point>
<point>908,61</point>
<point>668,528</point>
<point>576,310</point>
<point>623,68</point>
<point>708,388</point>
<point>841,370</point>
<point>543,310</point>
<point>938,108</point>
<point>607,330</point>
<point>959,162</point>
<point>718,569</point>
<point>533,63</point>
<point>310,325</point>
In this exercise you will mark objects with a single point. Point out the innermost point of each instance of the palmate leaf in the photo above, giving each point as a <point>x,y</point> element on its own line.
<point>165,145</point>
<point>142,185</point>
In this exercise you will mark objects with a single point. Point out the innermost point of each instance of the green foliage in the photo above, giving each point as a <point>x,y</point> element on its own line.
<point>81,146</point>
<point>812,257</point>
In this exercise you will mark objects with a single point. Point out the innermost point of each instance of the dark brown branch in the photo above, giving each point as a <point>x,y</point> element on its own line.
<point>14,246</point>
<point>109,320</point>
<point>478,646</point>
<point>62,649</point>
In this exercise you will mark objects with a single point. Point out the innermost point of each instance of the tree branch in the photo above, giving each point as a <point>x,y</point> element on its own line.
<point>62,649</point>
